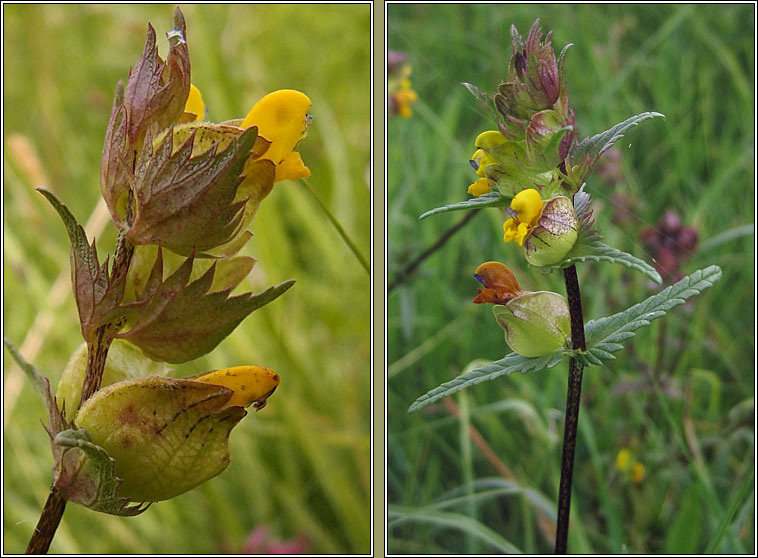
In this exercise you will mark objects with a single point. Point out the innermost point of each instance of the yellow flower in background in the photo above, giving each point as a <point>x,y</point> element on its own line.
<point>528,207</point>
<point>623,459</point>
<point>400,95</point>
<point>638,472</point>
<point>629,467</point>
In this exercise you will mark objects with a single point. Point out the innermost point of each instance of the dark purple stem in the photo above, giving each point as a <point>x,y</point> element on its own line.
<point>573,398</point>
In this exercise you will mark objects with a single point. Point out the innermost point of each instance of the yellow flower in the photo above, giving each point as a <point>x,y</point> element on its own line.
<point>282,119</point>
<point>401,96</point>
<point>404,98</point>
<point>623,459</point>
<point>528,206</point>
<point>481,159</point>
<point>481,186</point>
<point>195,104</point>
<point>250,384</point>
<point>489,139</point>
<point>638,472</point>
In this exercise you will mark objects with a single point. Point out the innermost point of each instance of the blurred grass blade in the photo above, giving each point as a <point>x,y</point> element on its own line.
<point>743,493</point>
<point>340,230</point>
<point>403,514</point>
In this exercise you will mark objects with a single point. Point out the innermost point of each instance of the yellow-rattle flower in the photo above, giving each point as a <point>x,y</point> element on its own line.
<point>282,118</point>
<point>528,207</point>
<point>480,159</point>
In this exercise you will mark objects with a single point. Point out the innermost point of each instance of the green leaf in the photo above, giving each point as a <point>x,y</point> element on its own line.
<point>512,362</point>
<point>86,474</point>
<point>597,251</point>
<point>179,320</point>
<point>188,203</point>
<point>605,335</point>
<point>98,295</point>
<point>593,147</point>
<point>493,199</point>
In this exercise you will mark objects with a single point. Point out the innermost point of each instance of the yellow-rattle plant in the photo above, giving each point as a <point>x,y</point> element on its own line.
<point>182,192</point>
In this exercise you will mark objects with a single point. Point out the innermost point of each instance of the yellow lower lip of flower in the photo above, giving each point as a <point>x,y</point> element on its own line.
<point>481,186</point>
<point>291,167</point>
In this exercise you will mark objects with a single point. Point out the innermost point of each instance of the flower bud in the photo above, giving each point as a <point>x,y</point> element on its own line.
<point>534,82</point>
<point>535,323</point>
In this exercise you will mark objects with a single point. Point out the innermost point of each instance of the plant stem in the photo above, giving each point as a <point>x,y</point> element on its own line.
<point>97,354</point>
<point>47,524</point>
<point>411,267</point>
<point>573,398</point>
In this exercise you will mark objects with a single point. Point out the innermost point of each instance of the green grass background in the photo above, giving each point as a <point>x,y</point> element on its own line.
<point>693,427</point>
<point>302,465</point>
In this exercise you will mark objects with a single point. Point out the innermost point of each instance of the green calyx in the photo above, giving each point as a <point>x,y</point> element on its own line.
<point>535,323</point>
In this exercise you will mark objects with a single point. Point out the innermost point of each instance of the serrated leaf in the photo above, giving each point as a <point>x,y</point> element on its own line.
<point>596,145</point>
<point>187,203</point>
<point>180,320</point>
<point>117,163</point>
<point>156,91</point>
<point>493,199</point>
<point>512,362</point>
<point>605,335</point>
<point>97,293</point>
<point>86,474</point>
<point>597,251</point>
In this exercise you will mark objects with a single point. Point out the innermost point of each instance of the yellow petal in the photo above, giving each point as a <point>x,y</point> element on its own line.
<point>489,139</point>
<point>523,230</point>
<point>528,204</point>
<point>291,167</point>
<point>509,230</point>
<point>481,186</point>
<point>281,118</point>
<point>249,384</point>
<point>195,103</point>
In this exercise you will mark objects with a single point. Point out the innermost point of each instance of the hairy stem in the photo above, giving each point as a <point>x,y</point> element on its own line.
<point>573,398</point>
<point>411,267</point>
<point>47,524</point>
<point>97,354</point>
